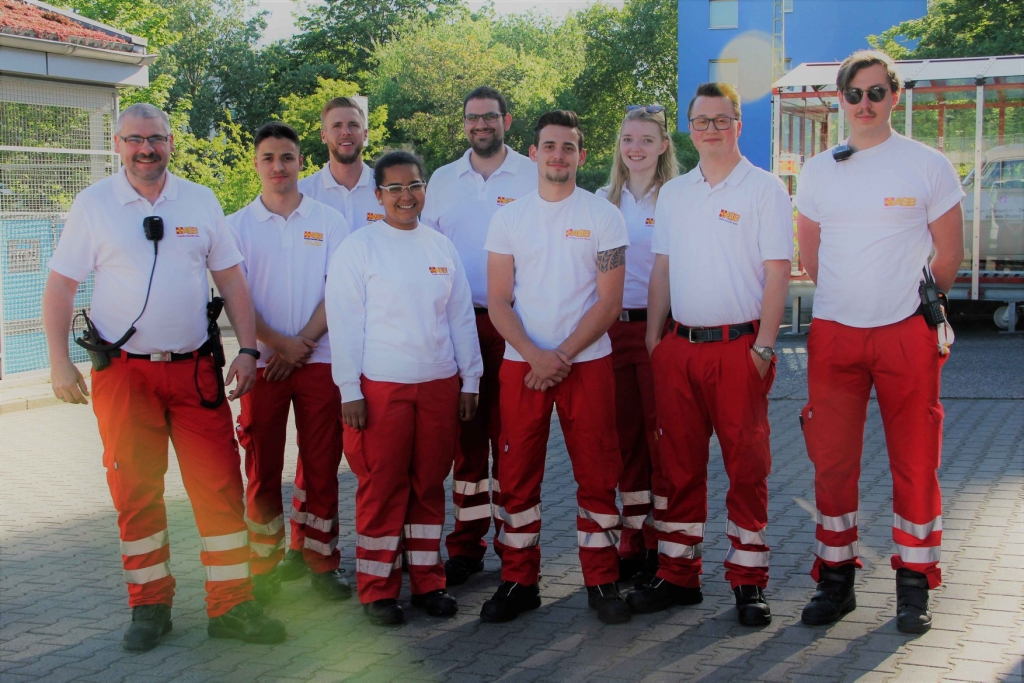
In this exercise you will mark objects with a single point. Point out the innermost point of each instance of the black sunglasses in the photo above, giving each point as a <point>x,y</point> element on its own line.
<point>875,93</point>
<point>649,108</point>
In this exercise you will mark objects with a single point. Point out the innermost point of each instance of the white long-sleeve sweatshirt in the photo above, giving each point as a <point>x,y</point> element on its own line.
<point>399,309</point>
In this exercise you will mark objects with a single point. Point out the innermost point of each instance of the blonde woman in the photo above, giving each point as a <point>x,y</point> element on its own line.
<point>644,160</point>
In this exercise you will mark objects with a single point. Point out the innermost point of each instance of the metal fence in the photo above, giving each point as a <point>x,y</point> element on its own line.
<point>55,140</point>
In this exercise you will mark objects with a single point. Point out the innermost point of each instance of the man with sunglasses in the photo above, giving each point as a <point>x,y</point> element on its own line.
<point>161,383</point>
<point>462,198</point>
<point>870,216</point>
<point>723,240</point>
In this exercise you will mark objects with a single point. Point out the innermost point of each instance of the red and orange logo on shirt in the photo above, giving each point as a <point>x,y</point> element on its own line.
<point>571,234</point>
<point>649,222</point>
<point>186,231</point>
<point>900,202</point>
<point>438,270</point>
<point>729,216</point>
<point>502,201</point>
<point>311,237</point>
<point>371,217</point>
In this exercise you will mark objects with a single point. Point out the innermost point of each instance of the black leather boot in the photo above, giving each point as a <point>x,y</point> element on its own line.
<point>458,569</point>
<point>436,603</point>
<point>332,585</point>
<point>834,598</point>
<point>149,623</point>
<point>293,566</point>
<point>751,607</point>
<point>246,621</point>
<point>660,595</point>
<point>509,601</point>
<point>912,615</point>
<point>606,599</point>
<point>386,612</point>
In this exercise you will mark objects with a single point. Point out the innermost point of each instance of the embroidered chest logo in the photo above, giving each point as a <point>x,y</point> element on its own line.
<point>502,201</point>
<point>900,202</point>
<point>649,222</point>
<point>186,231</point>
<point>371,217</point>
<point>571,234</point>
<point>438,270</point>
<point>729,216</point>
<point>314,238</point>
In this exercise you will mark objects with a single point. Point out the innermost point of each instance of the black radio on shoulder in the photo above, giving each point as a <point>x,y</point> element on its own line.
<point>153,226</point>
<point>842,152</point>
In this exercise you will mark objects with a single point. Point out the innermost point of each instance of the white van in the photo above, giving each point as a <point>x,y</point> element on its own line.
<point>1002,205</point>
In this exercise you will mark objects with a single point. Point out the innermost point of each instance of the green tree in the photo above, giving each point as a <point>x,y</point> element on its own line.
<point>957,28</point>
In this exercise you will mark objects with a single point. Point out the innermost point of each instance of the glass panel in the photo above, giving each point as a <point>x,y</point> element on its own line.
<point>787,5</point>
<point>725,13</point>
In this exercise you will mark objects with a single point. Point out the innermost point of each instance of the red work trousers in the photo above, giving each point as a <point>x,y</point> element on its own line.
<point>637,423</point>
<point>138,405</point>
<point>401,460</point>
<point>700,389</point>
<point>262,427</point>
<point>902,361</point>
<point>478,438</point>
<point>585,401</point>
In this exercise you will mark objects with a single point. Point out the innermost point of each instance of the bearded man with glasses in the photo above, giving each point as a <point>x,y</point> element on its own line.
<point>871,215</point>
<point>723,241</point>
<point>462,198</point>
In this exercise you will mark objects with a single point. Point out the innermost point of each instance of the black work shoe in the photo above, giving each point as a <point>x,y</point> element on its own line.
<point>661,595</point>
<point>645,576</point>
<point>331,585</point>
<point>458,569</point>
<point>436,603</point>
<point>751,607</point>
<point>386,612</point>
<point>629,567</point>
<point>912,615</point>
<point>265,587</point>
<point>509,601</point>
<point>149,622</point>
<point>293,566</point>
<point>834,598</point>
<point>246,621</point>
<point>611,608</point>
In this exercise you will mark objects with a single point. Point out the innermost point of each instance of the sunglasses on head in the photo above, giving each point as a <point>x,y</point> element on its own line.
<point>875,93</point>
<point>649,108</point>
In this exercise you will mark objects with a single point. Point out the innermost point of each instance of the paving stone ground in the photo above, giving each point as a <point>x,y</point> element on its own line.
<point>63,607</point>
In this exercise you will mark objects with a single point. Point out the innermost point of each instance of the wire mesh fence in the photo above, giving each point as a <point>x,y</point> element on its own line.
<point>55,140</point>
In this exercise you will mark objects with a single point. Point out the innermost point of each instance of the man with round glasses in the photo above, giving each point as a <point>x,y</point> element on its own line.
<point>723,240</point>
<point>869,220</point>
<point>462,198</point>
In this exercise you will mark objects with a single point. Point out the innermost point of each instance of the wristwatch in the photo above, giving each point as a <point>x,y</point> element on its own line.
<point>250,352</point>
<point>765,352</point>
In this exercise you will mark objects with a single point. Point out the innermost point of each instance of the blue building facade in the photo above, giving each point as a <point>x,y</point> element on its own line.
<point>731,40</point>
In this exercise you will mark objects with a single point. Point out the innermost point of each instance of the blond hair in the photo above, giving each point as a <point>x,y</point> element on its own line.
<point>667,169</point>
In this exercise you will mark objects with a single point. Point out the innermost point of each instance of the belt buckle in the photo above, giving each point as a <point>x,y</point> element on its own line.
<point>624,316</point>
<point>162,357</point>
<point>689,335</point>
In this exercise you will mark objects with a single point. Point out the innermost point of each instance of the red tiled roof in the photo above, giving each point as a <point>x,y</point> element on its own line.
<point>22,19</point>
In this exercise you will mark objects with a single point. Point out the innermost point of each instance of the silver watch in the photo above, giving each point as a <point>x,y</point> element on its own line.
<point>765,352</point>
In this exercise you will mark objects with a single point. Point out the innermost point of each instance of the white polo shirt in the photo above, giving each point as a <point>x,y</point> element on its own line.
<point>359,205</point>
<point>717,240</point>
<point>399,304</point>
<point>874,210</point>
<point>555,247</point>
<point>103,234</point>
<point>460,204</point>
<point>639,217</point>
<point>286,264</point>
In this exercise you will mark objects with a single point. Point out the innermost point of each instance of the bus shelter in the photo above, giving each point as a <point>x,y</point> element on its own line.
<point>971,110</point>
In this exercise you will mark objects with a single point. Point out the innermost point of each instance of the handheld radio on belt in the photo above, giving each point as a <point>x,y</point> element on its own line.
<point>213,310</point>
<point>933,309</point>
<point>99,350</point>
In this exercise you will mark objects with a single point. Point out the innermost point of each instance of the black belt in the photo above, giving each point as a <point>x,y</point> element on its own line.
<point>633,315</point>
<point>699,335</point>
<point>479,311</point>
<point>205,350</point>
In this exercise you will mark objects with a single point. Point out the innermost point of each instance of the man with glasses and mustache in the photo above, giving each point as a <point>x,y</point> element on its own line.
<point>345,184</point>
<point>723,240</point>
<point>163,381</point>
<point>461,199</point>
<point>872,215</point>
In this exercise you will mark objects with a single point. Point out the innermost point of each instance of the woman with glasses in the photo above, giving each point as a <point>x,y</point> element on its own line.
<point>403,341</point>
<point>644,160</point>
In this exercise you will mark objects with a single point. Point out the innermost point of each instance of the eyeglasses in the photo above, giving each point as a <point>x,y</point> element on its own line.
<point>490,117</point>
<point>153,140</point>
<point>396,190</point>
<point>721,122</point>
<point>649,108</point>
<point>875,93</point>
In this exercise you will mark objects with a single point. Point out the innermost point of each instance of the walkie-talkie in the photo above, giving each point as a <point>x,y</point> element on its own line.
<point>931,300</point>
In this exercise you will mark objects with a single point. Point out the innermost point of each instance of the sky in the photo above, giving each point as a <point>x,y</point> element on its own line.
<point>280,23</point>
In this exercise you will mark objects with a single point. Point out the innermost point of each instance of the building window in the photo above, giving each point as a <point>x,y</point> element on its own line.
<point>787,5</point>
<point>789,64</point>
<point>725,13</point>
<point>724,71</point>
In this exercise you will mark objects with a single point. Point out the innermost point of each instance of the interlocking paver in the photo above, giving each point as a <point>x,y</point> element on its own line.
<point>64,608</point>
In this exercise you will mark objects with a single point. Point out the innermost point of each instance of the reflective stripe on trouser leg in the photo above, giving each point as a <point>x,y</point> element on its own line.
<point>147,559</point>
<point>478,438</point>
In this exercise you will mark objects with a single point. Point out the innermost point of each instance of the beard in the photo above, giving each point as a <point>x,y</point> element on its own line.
<point>488,149</point>
<point>556,177</point>
<point>346,159</point>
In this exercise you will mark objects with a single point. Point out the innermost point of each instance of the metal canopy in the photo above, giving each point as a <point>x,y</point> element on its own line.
<point>817,74</point>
